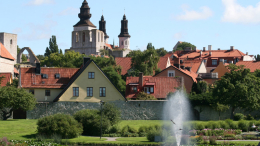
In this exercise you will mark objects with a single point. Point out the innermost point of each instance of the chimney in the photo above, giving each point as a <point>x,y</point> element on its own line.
<point>140,79</point>
<point>177,62</point>
<point>246,53</point>
<point>38,69</point>
<point>232,48</point>
<point>218,48</point>
<point>210,53</point>
<point>85,60</point>
<point>188,68</point>
<point>182,67</point>
<point>195,49</point>
<point>200,53</point>
<point>210,47</point>
<point>204,49</point>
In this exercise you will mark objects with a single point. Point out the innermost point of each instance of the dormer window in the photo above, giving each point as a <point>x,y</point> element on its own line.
<point>149,90</point>
<point>57,76</point>
<point>134,89</point>
<point>44,76</point>
<point>171,73</point>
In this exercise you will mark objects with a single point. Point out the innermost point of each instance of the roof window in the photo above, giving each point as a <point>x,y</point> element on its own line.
<point>44,76</point>
<point>57,76</point>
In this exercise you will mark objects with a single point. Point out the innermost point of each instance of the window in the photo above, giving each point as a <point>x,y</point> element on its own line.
<point>31,91</point>
<point>149,90</point>
<point>91,75</point>
<point>102,91</point>
<point>214,62</point>
<point>90,36</point>
<point>171,73</point>
<point>90,91</point>
<point>11,41</point>
<point>57,76</point>
<point>75,91</point>
<point>134,89</point>
<point>122,42</point>
<point>102,37</point>
<point>77,37</point>
<point>83,37</point>
<point>125,42</point>
<point>225,61</point>
<point>98,37</point>
<point>44,76</point>
<point>47,92</point>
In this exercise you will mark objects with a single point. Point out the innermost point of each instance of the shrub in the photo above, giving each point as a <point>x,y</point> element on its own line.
<point>249,117</point>
<point>230,135</point>
<point>224,125</point>
<point>239,116</point>
<point>243,125</point>
<point>142,129</point>
<point>90,119</point>
<point>145,96</point>
<point>128,129</point>
<point>199,126</point>
<point>152,133</point>
<point>115,129</point>
<point>4,142</point>
<point>212,140</point>
<point>112,113</point>
<point>59,124</point>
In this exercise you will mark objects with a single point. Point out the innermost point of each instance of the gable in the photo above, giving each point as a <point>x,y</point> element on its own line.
<point>221,70</point>
<point>202,68</point>
<point>82,81</point>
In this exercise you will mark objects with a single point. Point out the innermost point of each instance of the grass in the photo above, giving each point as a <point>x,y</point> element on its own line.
<point>241,142</point>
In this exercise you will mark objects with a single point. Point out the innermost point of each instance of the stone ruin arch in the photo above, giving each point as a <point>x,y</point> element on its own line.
<point>33,59</point>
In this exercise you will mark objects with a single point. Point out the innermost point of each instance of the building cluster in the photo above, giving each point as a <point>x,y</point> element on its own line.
<point>90,84</point>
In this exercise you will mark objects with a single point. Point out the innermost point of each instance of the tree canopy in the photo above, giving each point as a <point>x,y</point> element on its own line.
<point>239,89</point>
<point>13,98</point>
<point>257,57</point>
<point>184,45</point>
<point>145,61</point>
<point>53,47</point>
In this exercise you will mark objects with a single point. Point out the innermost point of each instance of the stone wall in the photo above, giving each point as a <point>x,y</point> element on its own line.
<point>131,110</point>
<point>5,39</point>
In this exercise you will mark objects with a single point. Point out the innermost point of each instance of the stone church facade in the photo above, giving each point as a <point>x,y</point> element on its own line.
<point>88,40</point>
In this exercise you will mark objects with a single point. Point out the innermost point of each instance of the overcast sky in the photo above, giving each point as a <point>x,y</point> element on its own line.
<point>220,23</point>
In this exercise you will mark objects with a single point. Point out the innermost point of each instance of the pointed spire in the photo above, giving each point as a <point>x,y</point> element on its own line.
<point>85,15</point>
<point>102,26</point>
<point>124,28</point>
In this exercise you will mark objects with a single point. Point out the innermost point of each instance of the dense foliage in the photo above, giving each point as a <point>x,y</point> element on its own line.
<point>184,45</point>
<point>53,47</point>
<point>238,89</point>
<point>13,98</point>
<point>60,124</point>
<point>112,113</point>
<point>161,52</point>
<point>257,57</point>
<point>145,61</point>
<point>145,96</point>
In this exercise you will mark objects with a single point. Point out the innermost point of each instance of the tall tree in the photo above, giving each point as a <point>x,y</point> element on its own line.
<point>161,52</point>
<point>184,45</point>
<point>257,57</point>
<point>145,61</point>
<point>53,47</point>
<point>13,98</point>
<point>239,89</point>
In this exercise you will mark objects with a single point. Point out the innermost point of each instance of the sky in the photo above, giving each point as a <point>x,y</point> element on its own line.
<point>220,23</point>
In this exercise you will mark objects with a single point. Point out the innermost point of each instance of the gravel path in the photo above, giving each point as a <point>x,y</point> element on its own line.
<point>111,138</point>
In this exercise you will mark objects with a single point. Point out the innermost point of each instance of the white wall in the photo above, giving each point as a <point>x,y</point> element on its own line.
<point>6,66</point>
<point>5,40</point>
<point>124,46</point>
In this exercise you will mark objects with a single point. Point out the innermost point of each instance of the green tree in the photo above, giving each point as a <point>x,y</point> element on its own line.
<point>161,52</point>
<point>238,89</point>
<point>104,52</point>
<point>61,51</point>
<point>112,113</point>
<point>220,108</point>
<point>184,45</point>
<point>257,57</point>
<point>24,58</point>
<point>53,47</point>
<point>145,61</point>
<point>40,57</point>
<point>18,49</point>
<point>14,84</point>
<point>13,98</point>
<point>200,87</point>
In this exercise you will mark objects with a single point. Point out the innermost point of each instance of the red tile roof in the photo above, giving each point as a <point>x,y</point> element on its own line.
<point>162,64</point>
<point>5,53</point>
<point>163,85</point>
<point>109,46</point>
<point>6,79</point>
<point>252,65</point>
<point>125,63</point>
<point>194,64</point>
<point>30,80</point>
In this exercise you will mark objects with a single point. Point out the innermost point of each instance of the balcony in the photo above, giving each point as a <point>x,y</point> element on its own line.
<point>209,75</point>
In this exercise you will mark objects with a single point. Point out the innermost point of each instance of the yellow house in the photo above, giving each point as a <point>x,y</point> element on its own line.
<point>87,84</point>
<point>221,69</point>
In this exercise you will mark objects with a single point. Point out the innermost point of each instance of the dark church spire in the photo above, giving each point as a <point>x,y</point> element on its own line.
<point>102,26</point>
<point>124,28</point>
<point>84,15</point>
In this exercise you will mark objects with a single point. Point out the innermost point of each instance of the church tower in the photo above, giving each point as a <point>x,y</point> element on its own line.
<point>102,27</point>
<point>124,37</point>
<point>86,38</point>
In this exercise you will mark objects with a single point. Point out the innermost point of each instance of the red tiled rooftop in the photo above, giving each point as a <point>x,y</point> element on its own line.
<point>5,53</point>
<point>6,79</point>
<point>30,80</point>
<point>162,64</point>
<point>125,63</point>
<point>252,65</point>
<point>163,85</point>
<point>109,46</point>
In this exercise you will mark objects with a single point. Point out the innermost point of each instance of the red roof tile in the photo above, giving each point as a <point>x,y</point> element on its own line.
<point>109,46</point>
<point>194,64</point>
<point>125,63</point>
<point>30,80</point>
<point>6,79</point>
<point>252,65</point>
<point>162,64</point>
<point>5,53</point>
<point>163,85</point>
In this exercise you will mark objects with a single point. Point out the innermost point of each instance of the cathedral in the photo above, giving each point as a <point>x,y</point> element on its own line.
<point>87,39</point>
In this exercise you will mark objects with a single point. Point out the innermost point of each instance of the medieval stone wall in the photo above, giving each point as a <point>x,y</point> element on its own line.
<point>131,110</point>
<point>5,39</point>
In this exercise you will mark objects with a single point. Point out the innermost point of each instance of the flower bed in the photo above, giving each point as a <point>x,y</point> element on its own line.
<point>215,132</point>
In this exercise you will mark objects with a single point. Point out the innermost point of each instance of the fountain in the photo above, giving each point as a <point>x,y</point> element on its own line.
<point>177,110</point>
